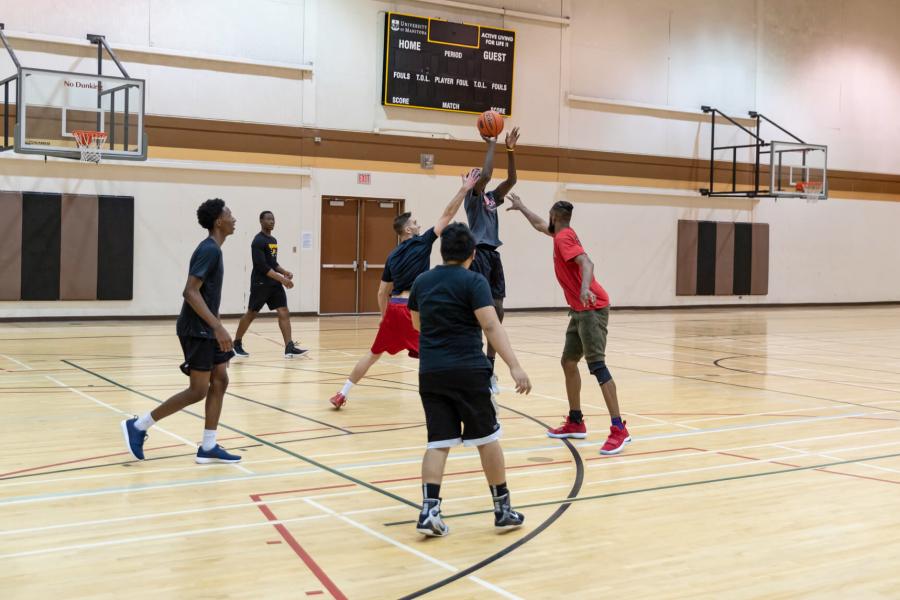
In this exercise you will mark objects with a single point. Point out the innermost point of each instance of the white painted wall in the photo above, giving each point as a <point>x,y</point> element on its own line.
<point>828,69</point>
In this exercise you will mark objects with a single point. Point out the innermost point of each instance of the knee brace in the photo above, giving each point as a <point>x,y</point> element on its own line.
<point>598,369</point>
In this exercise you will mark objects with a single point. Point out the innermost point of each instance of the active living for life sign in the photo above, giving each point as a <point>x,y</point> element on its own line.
<point>439,65</point>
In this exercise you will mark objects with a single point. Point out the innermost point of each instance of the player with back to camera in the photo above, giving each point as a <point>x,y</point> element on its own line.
<point>206,344</point>
<point>408,260</point>
<point>267,283</point>
<point>588,320</point>
<point>451,306</point>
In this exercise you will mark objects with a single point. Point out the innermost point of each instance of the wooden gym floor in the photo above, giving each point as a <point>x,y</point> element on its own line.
<point>765,464</point>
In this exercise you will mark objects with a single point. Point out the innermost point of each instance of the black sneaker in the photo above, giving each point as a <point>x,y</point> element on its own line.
<point>430,522</point>
<point>504,516</point>
<point>291,350</point>
<point>239,350</point>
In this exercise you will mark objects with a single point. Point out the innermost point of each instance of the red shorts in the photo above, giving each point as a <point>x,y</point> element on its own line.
<point>396,332</point>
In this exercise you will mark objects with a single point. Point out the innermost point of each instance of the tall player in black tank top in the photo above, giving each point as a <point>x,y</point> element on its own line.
<point>408,260</point>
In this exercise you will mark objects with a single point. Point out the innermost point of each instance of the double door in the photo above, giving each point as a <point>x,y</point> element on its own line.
<point>357,235</point>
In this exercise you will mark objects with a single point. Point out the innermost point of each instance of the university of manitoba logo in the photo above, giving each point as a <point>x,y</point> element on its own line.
<point>395,24</point>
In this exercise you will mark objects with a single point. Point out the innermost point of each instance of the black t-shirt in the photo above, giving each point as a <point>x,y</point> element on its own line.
<point>206,264</point>
<point>408,260</point>
<point>264,252</point>
<point>481,211</point>
<point>446,299</point>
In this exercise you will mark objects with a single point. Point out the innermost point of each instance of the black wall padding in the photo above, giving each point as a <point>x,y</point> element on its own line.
<point>41,222</point>
<point>743,253</point>
<point>706,259</point>
<point>115,248</point>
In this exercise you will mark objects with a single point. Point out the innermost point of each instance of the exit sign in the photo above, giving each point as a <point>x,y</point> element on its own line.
<point>364,178</point>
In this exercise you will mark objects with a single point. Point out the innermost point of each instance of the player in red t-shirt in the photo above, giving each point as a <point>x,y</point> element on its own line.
<point>588,318</point>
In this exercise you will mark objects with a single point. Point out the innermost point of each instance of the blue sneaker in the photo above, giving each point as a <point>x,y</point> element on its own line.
<point>134,438</point>
<point>216,455</point>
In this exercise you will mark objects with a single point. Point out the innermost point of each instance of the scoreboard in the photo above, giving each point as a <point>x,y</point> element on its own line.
<point>440,65</point>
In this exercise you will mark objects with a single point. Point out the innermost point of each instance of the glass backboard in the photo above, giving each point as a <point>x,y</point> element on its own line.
<point>53,104</point>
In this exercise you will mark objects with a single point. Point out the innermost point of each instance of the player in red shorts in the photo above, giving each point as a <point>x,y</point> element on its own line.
<point>408,260</point>
<point>588,319</point>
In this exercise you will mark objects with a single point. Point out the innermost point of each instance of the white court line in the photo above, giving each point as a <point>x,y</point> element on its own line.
<point>117,410</point>
<point>162,536</point>
<point>345,468</point>
<point>533,393</point>
<point>183,440</point>
<point>515,473</point>
<point>831,457</point>
<point>21,364</point>
<point>447,567</point>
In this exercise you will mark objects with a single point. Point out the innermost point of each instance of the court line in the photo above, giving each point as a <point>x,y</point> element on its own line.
<point>153,538</point>
<point>292,542</point>
<point>560,510</point>
<point>255,438</point>
<point>679,485</point>
<point>459,456</point>
<point>117,410</point>
<point>446,566</point>
<point>21,364</point>
<point>288,412</point>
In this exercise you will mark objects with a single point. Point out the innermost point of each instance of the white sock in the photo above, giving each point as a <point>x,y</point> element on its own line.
<point>209,440</point>
<point>144,423</point>
<point>346,389</point>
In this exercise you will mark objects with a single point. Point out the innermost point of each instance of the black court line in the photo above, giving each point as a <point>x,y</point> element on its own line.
<point>564,506</point>
<point>730,384</point>
<point>672,486</point>
<point>717,362</point>
<point>288,412</point>
<point>259,440</point>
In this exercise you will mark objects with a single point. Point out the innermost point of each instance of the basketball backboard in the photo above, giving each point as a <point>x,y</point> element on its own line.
<point>798,170</point>
<point>53,104</point>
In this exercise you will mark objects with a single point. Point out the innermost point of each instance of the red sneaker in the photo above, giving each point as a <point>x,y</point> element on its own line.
<point>338,400</point>
<point>617,439</point>
<point>569,430</point>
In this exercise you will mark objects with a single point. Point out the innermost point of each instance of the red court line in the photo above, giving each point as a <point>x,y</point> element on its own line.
<point>469,472</point>
<point>823,470</point>
<point>299,551</point>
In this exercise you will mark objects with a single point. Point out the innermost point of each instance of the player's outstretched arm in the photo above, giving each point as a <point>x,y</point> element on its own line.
<point>468,182</point>
<point>488,169</point>
<point>192,296</point>
<point>500,193</point>
<point>515,203</point>
<point>496,335</point>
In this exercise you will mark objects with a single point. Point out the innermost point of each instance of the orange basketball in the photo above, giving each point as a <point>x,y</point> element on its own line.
<point>490,123</point>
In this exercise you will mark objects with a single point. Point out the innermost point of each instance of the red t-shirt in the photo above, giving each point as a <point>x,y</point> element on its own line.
<point>566,246</point>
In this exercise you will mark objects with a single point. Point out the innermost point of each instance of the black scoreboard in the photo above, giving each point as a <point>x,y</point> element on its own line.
<point>439,65</point>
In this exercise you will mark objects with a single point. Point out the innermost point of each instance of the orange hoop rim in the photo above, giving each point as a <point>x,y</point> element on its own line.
<point>85,137</point>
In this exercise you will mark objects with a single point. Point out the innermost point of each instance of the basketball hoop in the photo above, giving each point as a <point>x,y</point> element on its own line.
<point>810,188</point>
<point>90,143</point>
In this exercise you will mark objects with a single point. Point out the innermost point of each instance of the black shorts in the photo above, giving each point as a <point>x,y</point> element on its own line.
<point>200,354</point>
<point>271,295</point>
<point>458,408</point>
<point>487,262</point>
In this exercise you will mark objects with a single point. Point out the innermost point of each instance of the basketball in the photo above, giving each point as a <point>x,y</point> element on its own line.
<point>490,123</point>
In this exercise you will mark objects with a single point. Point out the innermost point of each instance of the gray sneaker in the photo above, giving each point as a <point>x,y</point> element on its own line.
<point>504,516</point>
<point>430,522</point>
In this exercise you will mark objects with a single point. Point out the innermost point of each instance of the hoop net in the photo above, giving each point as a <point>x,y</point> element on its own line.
<point>91,144</point>
<point>812,188</point>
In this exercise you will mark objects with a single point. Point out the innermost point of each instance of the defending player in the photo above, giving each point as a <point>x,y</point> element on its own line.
<point>588,319</point>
